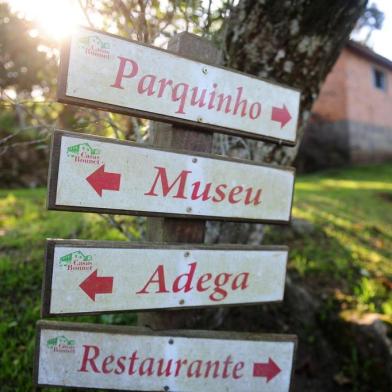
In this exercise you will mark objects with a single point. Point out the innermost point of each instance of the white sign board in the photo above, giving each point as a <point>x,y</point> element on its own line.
<point>97,174</point>
<point>108,72</point>
<point>96,356</point>
<point>91,277</point>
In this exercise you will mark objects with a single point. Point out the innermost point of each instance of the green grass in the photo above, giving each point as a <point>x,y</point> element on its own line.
<point>344,261</point>
<point>24,225</point>
<point>346,255</point>
<point>352,243</point>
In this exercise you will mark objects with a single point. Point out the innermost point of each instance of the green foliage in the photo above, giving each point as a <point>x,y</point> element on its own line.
<point>24,225</point>
<point>343,260</point>
<point>349,249</point>
<point>346,257</point>
<point>21,64</point>
<point>28,72</point>
<point>152,20</point>
<point>372,296</point>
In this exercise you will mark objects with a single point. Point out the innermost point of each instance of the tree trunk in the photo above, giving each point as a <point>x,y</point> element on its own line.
<point>295,43</point>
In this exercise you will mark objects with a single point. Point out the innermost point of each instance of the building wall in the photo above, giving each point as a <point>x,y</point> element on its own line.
<point>366,103</point>
<point>353,112</point>
<point>369,143</point>
<point>331,103</point>
<point>369,111</point>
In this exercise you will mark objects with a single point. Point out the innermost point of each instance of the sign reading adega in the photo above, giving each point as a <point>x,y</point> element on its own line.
<point>108,72</point>
<point>126,358</point>
<point>98,174</point>
<point>96,277</point>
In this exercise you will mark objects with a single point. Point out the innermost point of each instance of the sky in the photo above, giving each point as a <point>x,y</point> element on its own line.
<point>381,41</point>
<point>57,18</point>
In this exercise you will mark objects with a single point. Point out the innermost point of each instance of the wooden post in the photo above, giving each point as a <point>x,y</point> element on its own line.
<point>180,230</point>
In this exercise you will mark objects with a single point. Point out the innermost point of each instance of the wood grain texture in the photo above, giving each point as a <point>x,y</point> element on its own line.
<point>180,230</point>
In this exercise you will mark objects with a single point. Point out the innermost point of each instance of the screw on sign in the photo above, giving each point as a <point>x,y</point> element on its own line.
<point>125,276</point>
<point>125,358</point>
<point>153,83</point>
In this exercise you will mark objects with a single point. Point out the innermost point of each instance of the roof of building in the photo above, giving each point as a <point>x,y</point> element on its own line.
<point>369,54</point>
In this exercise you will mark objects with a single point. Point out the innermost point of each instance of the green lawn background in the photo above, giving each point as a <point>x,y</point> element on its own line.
<point>346,254</point>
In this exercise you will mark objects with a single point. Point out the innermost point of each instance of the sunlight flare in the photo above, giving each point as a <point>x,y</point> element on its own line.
<point>55,19</point>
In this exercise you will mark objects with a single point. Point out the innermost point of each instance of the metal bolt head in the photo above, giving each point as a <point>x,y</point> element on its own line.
<point>205,70</point>
<point>181,302</point>
<point>200,119</point>
<point>194,160</point>
<point>186,254</point>
<point>189,209</point>
<point>171,341</point>
<point>166,388</point>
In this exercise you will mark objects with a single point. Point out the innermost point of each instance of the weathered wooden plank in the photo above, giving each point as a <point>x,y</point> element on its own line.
<point>173,229</point>
<point>89,173</point>
<point>102,277</point>
<point>135,359</point>
<point>108,72</point>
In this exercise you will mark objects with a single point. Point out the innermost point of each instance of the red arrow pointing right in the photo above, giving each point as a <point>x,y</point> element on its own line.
<point>95,284</point>
<point>268,370</point>
<point>280,115</point>
<point>101,180</point>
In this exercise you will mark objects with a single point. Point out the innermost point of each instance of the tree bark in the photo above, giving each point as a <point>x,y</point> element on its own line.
<point>295,43</point>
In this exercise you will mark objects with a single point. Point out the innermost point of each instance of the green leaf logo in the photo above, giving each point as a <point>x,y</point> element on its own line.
<point>61,344</point>
<point>82,149</point>
<point>93,42</point>
<point>74,257</point>
<point>93,45</point>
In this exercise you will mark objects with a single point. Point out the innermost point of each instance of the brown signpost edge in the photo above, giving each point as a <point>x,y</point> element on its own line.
<point>60,344</point>
<point>268,262</point>
<point>70,95</point>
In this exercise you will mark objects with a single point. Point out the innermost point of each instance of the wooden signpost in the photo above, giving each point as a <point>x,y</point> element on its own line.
<point>91,173</point>
<point>98,277</point>
<point>95,174</point>
<point>133,359</point>
<point>108,72</point>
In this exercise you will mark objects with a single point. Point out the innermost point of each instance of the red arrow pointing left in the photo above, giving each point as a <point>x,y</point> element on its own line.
<point>268,370</point>
<point>95,284</point>
<point>101,180</point>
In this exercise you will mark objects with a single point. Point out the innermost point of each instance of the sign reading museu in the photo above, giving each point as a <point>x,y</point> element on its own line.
<point>90,173</point>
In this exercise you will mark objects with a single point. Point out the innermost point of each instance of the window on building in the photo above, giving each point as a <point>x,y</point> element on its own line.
<point>379,79</point>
